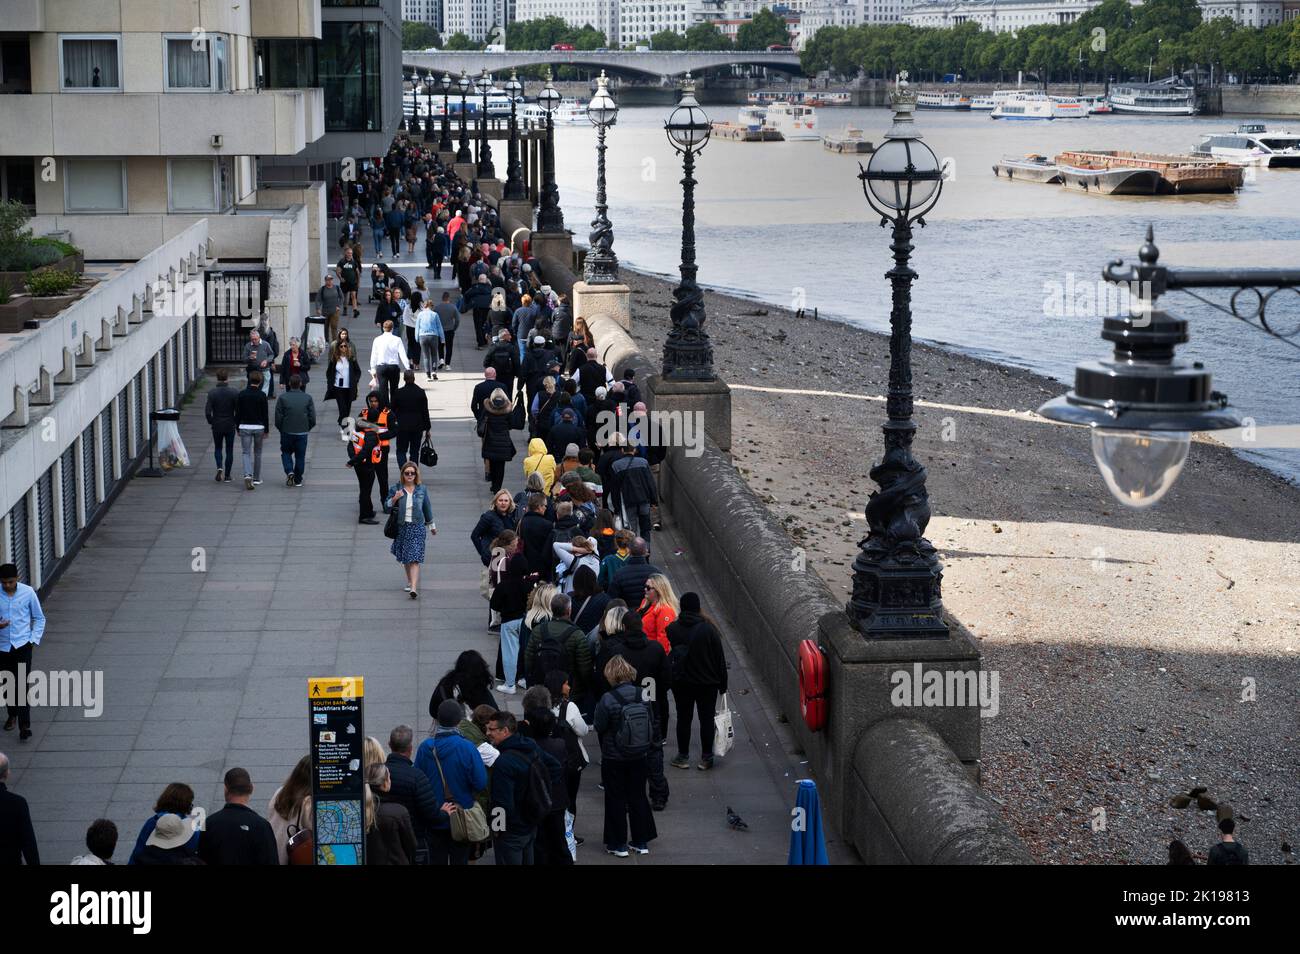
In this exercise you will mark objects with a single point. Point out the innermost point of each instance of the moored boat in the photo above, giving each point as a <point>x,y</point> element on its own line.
<point>792,122</point>
<point>942,101</point>
<point>1108,180</point>
<point>850,139</point>
<point>1179,175</point>
<point>1252,144</point>
<point>1029,168</point>
<point>1168,98</point>
<point>1068,107</point>
<point>1024,106</point>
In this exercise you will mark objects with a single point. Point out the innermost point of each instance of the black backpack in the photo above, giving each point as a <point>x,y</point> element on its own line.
<point>571,759</point>
<point>635,733</point>
<point>533,801</point>
<point>550,651</point>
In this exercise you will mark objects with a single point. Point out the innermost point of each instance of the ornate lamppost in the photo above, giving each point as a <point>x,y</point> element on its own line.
<point>688,356</point>
<point>411,124</point>
<point>444,143</point>
<point>485,168</point>
<point>549,216</point>
<point>601,267</point>
<point>429,82</point>
<point>514,187</point>
<point>463,153</point>
<point>897,576</point>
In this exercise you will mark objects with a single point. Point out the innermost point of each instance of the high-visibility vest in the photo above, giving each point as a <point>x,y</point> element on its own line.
<point>377,454</point>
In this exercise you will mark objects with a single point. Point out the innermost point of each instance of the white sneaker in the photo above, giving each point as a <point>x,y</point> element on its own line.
<point>509,690</point>
<point>407,587</point>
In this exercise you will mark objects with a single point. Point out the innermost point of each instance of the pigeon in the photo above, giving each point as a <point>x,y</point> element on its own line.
<point>735,822</point>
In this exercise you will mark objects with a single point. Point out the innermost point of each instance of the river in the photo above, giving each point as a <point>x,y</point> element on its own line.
<point>786,223</point>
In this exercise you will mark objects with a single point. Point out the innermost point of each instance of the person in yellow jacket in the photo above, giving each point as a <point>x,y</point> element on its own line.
<point>540,460</point>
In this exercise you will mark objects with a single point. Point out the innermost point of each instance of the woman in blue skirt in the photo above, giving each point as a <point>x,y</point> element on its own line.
<point>414,512</point>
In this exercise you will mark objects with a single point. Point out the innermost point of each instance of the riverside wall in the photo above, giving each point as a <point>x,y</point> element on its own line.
<point>1261,100</point>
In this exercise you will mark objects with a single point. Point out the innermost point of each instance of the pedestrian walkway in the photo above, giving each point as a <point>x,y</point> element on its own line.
<point>208,606</point>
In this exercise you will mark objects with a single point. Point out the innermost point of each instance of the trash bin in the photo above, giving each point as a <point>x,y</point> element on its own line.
<point>316,340</point>
<point>166,437</point>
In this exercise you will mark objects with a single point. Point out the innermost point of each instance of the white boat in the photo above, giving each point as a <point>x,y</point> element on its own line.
<point>992,100</point>
<point>1159,99</point>
<point>792,122</point>
<point>752,117</point>
<point>1098,106</point>
<point>1253,144</point>
<point>1069,107</point>
<point>1025,106</point>
<point>942,101</point>
<point>571,113</point>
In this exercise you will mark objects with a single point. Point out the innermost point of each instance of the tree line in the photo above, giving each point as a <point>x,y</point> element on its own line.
<point>1113,40</point>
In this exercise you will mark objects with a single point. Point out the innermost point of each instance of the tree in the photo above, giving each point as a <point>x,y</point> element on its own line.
<point>459,41</point>
<point>817,52</point>
<point>589,38</point>
<point>764,30</point>
<point>419,36</point>
<point>667,40</point>
<point>705,37</point>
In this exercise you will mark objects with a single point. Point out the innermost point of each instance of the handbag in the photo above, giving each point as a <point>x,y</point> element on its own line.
<point>390,526</point>
<point>517,415</point>
<point>724,736</point>
<point>468,824</point>
<point>301,848</point>
<point>428,456</point>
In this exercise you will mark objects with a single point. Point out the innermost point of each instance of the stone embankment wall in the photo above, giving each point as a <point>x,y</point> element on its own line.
<point>1261,100</point>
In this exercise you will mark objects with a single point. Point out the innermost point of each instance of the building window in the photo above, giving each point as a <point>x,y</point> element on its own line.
<point>94,185</point>
<point>350,76</point>
<point>197,185</point>
<point>202,69</point>
<point>91,62</point>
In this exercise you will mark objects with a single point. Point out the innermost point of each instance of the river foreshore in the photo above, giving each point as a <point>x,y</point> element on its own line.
<point>1140,653</point>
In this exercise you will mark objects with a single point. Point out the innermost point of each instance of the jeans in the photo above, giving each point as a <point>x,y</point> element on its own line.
<point>445,850</point>
<point>293,454</point>
<point>251,443</point>
<point>626,801</point>
<point>379,241</point>
<point>510,649</point>
<point>513,848</point>
<point>429,352</point>
<point>9,662</point>
<point>695,699</point>
<point>224,440</point>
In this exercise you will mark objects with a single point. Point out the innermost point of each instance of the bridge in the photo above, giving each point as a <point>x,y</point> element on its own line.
<point>663,65</point>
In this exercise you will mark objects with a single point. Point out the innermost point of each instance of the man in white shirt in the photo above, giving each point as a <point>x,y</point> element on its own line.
<point>387,361</point>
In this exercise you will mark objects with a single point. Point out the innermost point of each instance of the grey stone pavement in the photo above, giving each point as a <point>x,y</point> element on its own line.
<point>205,670</point>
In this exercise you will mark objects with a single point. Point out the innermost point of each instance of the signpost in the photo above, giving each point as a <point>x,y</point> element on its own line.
<point>338,768</point>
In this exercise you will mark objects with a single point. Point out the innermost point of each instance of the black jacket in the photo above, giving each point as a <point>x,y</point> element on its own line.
<point>389,311</point>
<point>563,434</point>
<point>411,408</point>
<point>588,616</point>
<point>237,835</point>
<point>478,296</point>
<point>17,837</point>
<point>536,532</point>
<point>509,780</point>
<point>645,655</point>
<point>354,376</point>
<point>497,444</point>
<point>490,525</point>
<point>631,482</point>
<point>251,408</point>
<point>482,391</point>
<point>562,531</point>
<point>410,788</point>
<point>629,583</point>
<point>153,855</point>
<point>392,840</point>
<point>304,366</point>
<point>697,652</point>
<point>510,598</point>
<point>591,375</point>
<point>505,358</point>
<point>220,408</point>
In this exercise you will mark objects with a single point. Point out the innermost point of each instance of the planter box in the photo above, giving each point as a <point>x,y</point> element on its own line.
<point>13,315</point>
<point>50,305</point>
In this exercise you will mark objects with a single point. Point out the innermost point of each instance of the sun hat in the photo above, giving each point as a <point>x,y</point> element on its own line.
<point>171,831</point>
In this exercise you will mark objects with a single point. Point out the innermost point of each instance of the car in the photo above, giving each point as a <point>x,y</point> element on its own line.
<point>779,48</point>
<point>566,47</point>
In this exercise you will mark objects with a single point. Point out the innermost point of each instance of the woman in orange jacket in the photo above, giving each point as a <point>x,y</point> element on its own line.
<point>658,609</point>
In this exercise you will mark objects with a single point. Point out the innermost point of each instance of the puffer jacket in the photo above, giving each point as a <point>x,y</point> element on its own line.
<point>490,526</point>
<point>655,619</point>
<point>539,459</point>
<point>497,444</point>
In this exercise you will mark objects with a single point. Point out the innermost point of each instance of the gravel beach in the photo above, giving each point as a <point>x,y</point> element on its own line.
<point>1140,654</point>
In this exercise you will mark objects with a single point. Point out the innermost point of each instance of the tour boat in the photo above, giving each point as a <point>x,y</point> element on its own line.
<point>752,117</point>
<point>942,101</point>
<point>1253,144</point>
<point>1160,99</point>
<point>749,127</point>
<point>792,122</point>
<point>1025,106</point>
<point>571,113</point>
<point>1069,107</point>
<point>1178,175</point>
<point>1098,106</point>
<point>1029,168</point>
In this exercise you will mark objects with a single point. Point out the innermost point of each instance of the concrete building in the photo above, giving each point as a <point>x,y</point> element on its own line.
<point>145,134</point>
<point>477,18</point>
<point>423,11</point>
<point>638,20</point>
<point>998,16</point>
<point>600,14</point>
<point>1251,13</point>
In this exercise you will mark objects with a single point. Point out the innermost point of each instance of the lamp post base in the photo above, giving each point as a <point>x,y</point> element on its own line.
<point>492,188</point>
<point>465,171</point>
<point>556,245</point>
<point>612,301</point>
<point>897,595</point>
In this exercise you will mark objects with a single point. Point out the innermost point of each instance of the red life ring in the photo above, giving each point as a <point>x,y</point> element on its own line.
<point>812,684</point>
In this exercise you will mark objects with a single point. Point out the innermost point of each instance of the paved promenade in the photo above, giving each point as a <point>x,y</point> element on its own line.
<point>207,607</point>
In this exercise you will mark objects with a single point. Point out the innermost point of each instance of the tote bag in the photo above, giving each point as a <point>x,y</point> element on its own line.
<point>468,824</point>
<point>724,732</point>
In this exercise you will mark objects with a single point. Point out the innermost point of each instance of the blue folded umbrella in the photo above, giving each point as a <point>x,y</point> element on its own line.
<point>807,843</point>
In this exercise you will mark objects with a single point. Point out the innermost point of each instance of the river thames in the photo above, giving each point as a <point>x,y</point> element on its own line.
<point>786,223</point>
